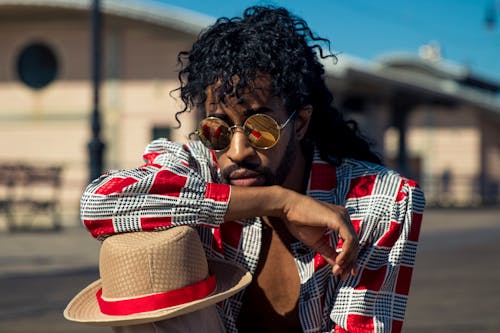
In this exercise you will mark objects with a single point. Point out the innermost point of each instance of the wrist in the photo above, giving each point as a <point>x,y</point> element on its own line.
<point>277,200</point>
<point>247,202</point>
<point>286,200</point>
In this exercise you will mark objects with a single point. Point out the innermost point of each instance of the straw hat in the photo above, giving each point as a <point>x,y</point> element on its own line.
<point>151,276</point>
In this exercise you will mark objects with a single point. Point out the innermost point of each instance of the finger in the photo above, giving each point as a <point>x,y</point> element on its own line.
<point>327,252</point>
<point>350,249</point>
<point>355,270</point>
<point>351,271</point>
<point>343,227</point>
<point>323,247</point>
<point>347,264</point>
<point>337,270</point>
<point>345,272</point>
<point>330,255</point>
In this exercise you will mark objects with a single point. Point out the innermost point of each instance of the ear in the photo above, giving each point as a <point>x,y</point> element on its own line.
<point>302,121</point>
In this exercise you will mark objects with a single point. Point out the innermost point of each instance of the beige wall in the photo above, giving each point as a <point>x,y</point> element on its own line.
<point>444,140</point>
<point>137,95</point>
<point>490,128</point>
<point>50,126</point>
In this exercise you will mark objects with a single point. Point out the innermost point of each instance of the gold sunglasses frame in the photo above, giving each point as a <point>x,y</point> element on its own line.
<point>232,128</point>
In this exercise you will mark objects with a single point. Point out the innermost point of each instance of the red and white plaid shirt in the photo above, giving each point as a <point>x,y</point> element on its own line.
<point>180,184</point>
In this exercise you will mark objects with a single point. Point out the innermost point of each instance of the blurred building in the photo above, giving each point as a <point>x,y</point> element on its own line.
<point>436,123</point>
<point>46,86</point>
<point>432,120</point>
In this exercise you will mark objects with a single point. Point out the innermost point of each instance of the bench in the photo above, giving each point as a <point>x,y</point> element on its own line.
<point>29,193</point>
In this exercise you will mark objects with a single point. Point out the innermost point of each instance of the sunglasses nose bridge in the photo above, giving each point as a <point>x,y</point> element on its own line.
<point>238,129</point>
<point>233,128</point>
<point>240,148</point>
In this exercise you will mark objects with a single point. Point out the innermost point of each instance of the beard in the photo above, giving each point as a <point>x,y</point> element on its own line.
<point>286,163</point>
<point>271,178</point>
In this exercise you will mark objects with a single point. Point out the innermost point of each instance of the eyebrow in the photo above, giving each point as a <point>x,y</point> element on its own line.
<point>221,116</point>
<point>248,112</point>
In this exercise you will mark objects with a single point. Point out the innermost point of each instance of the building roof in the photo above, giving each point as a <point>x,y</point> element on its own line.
<point>432,80</point>
<point>148,11</point>
<point>443,69</point>
<point>417,77</point>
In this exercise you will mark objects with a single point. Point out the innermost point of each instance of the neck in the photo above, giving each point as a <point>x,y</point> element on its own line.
<point>295,180</point>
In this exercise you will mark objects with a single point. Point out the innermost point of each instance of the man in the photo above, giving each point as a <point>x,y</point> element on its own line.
<point>284,186</point>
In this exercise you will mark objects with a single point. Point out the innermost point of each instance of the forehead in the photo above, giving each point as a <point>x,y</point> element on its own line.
<point>256,95</point>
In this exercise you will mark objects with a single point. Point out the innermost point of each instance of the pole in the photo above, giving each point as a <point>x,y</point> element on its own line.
<point>95,145</point>
<point>401,107</point>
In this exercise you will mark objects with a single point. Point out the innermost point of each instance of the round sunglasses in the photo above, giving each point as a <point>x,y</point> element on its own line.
<point>262,131</point>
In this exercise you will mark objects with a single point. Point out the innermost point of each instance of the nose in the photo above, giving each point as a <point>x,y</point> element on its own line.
<point>240,150</point>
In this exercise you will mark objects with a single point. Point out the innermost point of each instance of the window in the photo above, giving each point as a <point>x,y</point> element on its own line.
<point>161,132</point>
<point>37,65</point>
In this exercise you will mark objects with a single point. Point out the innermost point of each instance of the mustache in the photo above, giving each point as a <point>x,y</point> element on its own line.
<point>226,173</point>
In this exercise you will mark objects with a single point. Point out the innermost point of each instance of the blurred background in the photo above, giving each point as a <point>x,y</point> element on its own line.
<point>85,85</point>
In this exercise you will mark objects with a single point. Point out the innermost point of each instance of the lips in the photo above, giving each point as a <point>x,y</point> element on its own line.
<point>245,177</point>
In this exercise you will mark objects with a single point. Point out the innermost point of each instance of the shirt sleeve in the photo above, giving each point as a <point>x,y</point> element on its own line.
<point>176,186</point>
<point>375,300</point>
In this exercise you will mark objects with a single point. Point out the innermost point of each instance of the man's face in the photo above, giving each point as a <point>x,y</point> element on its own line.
<point>241,164</point>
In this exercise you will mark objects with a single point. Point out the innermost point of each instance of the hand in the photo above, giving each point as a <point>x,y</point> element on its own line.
<point>309,220</point>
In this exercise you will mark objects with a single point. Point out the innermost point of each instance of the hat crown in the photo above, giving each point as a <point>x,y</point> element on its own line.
<point>144,263</point>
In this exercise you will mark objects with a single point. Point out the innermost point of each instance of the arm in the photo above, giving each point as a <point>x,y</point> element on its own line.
<point>375,300</point>
<point>306,218</point>
<point>173,188</point>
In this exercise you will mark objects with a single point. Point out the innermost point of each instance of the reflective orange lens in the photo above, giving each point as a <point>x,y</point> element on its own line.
<point>214,133</point>
<point>262,131</point>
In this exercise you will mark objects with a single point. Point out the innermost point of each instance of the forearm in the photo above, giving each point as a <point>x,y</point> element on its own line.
<point>170,189</point>
<point>248,202</point>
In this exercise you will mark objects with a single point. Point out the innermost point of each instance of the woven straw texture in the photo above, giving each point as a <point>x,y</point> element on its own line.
<point>144,263</point>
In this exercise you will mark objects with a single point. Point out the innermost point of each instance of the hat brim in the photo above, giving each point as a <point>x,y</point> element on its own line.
<point>84,308</point>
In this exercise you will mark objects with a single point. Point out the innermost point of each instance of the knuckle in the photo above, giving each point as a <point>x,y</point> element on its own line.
<point>343,213</point>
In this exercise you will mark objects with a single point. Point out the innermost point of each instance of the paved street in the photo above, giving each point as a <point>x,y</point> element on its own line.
<point>457,280</point>
<point>456,285</point>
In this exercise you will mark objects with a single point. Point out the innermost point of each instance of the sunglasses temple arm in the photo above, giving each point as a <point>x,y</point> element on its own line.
<point>288,120</point>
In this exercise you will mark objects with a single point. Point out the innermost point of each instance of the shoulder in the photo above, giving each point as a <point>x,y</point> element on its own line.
<point>363,179</point>
<point>192,155</point>
<point>163,146</point>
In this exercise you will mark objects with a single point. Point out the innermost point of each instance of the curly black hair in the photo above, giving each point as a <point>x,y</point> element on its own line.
<point>271,40</point>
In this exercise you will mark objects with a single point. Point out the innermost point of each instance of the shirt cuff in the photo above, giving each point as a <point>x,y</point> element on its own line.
<point>218,192</point>
<point>216,202</point>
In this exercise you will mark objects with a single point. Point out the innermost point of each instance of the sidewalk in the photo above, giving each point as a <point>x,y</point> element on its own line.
<point>48,251</point>
<point>456,283</point>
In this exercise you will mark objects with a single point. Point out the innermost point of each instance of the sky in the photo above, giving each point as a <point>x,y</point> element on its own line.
<point>370,29</point>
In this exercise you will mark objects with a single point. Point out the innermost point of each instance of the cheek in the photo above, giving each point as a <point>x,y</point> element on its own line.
<point>271,159</point>
<point>222,159</point>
